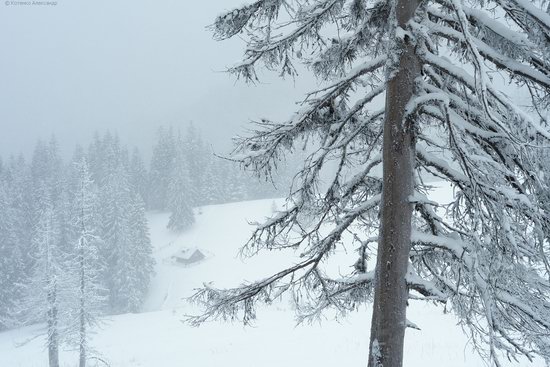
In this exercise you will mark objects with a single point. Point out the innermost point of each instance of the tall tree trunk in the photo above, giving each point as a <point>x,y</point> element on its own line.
<point>53,336</point>
<point>82,362</point>
<point>391,292</point>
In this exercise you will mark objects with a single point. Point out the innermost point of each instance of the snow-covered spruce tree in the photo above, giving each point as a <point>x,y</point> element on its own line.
<point>441,66</point>
<point>96,156</point>
<point>140,257</point>
<point>131,262</point>
<point>125,248</point>
<point>115,208</point>
<point>196,156</point>
<point>87,295</point>
<point>180,195</point>
<point>162,164</point>
<point>47,169</point>
<point>20,190</point>
<point>48,277</point>
<point>215,184</point>
<point>138,175</point>
<point>12,264</point>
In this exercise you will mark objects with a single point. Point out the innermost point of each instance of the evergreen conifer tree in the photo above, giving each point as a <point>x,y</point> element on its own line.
<point>140,260</point>
<point>138,175</point>
<point>115,204</point>
<point>48,277</point>
<point>437,65</point>
<point>162,165</point>
<point>86,292</point>
<point>180,195</point>
<point>12,262</point>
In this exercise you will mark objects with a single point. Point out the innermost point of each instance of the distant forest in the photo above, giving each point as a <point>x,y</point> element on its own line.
<point>88,250</point>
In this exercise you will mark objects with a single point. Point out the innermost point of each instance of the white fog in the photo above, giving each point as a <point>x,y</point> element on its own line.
<point>305,183</point>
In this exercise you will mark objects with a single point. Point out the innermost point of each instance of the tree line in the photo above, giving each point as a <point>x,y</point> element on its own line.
<point>186,173</point>
<point>74,240</point>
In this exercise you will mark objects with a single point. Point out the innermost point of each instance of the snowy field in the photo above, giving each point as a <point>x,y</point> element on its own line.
<point>158,337</point>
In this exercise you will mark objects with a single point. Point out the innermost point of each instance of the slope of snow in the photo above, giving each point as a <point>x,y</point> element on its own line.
<point>158,337</point>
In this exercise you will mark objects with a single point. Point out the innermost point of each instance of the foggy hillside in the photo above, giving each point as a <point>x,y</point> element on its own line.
<point>279,182</point>
<point>157,336</point>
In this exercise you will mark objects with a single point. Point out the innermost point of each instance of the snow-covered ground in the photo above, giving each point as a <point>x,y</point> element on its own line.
<point>158,337</point>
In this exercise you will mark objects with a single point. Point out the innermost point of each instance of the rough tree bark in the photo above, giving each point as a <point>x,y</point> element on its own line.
<point>391,292</point>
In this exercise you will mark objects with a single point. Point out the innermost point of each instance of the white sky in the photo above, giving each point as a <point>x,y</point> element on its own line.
<point>127,66</point>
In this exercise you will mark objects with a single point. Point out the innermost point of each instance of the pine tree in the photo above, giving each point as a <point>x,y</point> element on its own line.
<point>48,276</point>
<point>12,262</point>
<point>140,259</point>
<point>445,115</point>
<point>162,164</point>
<point>193,151</point>
<point>115,204</point>
<point>180,196</point>
<point>87,294</point>
<point>235,182</point>
<point>19,222</point>
<point>47,167</point>
<point>133,262</point>
<point>126,249</point>
<point>215,186</point>
<point>105,153</point>
<point>138,175</point>
<point>95,158</point>
<point>63,213</point>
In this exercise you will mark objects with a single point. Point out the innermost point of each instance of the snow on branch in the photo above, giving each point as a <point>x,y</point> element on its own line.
<point>501,60</point>
<point>275,49</point>
<point>232,22</point>
<point>263,147</point>
<point>428,289</point>
<point>457,247</point>
<point>485,252</point>
<point>526,7</point>
<point>311,291</point>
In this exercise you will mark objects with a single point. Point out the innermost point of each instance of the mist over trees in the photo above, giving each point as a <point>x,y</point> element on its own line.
<point>75,241</point>
<point>85,267</point>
